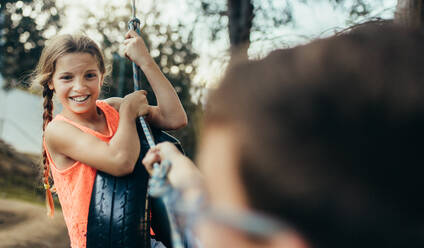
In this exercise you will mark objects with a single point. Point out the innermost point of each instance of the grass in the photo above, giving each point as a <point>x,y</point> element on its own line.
<point>18,187</point>
<point>11,187</point>
<point>20,194</point>
<point>10,190</point>
<point>19,176</point>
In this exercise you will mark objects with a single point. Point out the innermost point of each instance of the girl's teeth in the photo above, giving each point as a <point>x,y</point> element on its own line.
<point>80,98</point>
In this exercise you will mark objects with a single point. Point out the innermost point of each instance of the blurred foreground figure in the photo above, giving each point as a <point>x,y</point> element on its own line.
<point>315,146</point>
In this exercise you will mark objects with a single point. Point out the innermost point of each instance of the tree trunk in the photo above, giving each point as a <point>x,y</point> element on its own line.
<point>410,13</point>
<point>240,16</point>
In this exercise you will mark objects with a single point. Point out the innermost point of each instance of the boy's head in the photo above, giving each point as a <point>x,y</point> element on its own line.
<point>327,138</point>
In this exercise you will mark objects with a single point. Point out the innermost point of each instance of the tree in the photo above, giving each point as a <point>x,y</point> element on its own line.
<point>24,26</point>
<point>245,17</point>
<point>410,13</point>
<point>169,46</point>
<point>240,17</point>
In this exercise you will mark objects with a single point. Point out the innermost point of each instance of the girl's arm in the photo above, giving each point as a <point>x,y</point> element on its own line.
<point>68,144</point>
<point>169,113</point>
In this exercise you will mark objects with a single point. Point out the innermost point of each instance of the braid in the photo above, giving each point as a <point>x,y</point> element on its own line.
<point>47,117</point>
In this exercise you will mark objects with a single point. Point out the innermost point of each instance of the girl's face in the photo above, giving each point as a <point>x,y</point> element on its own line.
<point>77,81</point>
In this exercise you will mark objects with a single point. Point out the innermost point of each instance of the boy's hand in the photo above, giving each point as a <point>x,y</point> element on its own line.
<point>136,50</point>
<point>136,104</point>
<point>183,172</point>
<point>162,151</point>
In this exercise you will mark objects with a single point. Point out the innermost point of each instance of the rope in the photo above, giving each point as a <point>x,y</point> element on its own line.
<point>134,24</point>
<point>160,187</point>
<point>157,185</point>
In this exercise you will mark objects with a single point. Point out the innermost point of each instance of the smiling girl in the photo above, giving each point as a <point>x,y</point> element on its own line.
<point>89,134</point>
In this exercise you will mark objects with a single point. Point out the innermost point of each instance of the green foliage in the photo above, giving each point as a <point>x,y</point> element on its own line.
<point>172,51</point>
<point>24,26</point>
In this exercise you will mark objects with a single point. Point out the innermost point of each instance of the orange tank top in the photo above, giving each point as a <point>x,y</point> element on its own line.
<point>74,184</point>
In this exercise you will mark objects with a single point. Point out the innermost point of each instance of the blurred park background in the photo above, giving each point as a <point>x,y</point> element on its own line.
<point>193,41</point>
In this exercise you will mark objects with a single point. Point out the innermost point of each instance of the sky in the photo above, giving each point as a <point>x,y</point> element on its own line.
<point>313,20</point>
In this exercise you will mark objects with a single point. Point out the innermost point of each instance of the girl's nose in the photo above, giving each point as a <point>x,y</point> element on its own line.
<point>79,84</point>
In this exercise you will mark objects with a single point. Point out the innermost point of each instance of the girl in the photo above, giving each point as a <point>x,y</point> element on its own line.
<point>90,135</point>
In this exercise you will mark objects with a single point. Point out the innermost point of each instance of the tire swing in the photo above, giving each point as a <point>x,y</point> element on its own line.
<point>119,206</point>
<point>121,212</point>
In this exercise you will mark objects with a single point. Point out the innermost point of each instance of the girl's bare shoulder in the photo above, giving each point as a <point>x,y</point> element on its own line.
<point>58,132</point>
<point>115,102</point>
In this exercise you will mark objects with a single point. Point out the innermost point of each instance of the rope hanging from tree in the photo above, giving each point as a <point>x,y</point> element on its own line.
<point>157,184</point>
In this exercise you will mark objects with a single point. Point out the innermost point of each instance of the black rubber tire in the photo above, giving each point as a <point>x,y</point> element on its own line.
<point>118,206</point>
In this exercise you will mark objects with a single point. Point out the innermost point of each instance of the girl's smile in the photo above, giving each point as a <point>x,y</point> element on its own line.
<point>77,81</point>
<point>79,99</point>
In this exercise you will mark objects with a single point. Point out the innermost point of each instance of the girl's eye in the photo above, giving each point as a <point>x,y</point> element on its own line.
<point>66,77</point>
<point>91,75</point>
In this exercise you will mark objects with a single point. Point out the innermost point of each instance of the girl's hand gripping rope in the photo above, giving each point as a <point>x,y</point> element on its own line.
<point>136,104</point>
<point>169,113</point>
<point>136,50</point>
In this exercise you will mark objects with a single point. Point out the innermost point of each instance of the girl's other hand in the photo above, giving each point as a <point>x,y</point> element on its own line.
<point>136,50</point>
<point>136,104</point>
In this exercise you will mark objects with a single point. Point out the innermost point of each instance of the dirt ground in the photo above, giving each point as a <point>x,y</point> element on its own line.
<point>25,225</point>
